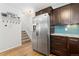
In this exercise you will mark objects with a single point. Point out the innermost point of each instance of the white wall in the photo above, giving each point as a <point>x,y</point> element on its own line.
<point>10,36</point>
<point>27,22</point>
<point>27,25</point>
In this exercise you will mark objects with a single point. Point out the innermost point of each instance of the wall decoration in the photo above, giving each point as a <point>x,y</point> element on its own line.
<point>10,17</point>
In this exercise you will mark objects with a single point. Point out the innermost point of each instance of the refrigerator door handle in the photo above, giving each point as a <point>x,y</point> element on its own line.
<point>37,34</point>
<point>34,28</point>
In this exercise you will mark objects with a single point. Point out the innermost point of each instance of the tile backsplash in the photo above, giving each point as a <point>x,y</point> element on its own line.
<point>67,29</point>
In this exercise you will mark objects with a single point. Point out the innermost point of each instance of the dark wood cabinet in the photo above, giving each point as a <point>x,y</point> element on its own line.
<point>61,16</point>
<point>74,46</point>
<point>58,45</point>
<point>74,13</point>
<point>64,46</point>
<point>56,17</point>
<point>65,14</point>
<point>68,14</point>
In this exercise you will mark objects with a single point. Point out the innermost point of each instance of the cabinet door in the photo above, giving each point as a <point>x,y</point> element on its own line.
<point>59,45</point>
<point>65,14</point>
<point>56,17</point>
<point>75,13</point>
<point>62,15</point>
<point>74,46</point>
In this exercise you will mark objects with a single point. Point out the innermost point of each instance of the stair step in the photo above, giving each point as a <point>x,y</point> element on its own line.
<point>25,41</point>
<point>25,37</point>
<point>24,34</point>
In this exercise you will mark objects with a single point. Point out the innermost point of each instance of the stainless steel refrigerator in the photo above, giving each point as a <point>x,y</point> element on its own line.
<point>41,34</point>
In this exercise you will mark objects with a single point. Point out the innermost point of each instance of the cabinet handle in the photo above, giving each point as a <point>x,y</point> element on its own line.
<point>73,39</point>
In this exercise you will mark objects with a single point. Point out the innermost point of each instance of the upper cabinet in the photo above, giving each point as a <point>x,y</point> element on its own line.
<point>56,17</point>
<point>61,15</point>
<point>74,13</point>
<point>68,14</point>
<point>65,14</point>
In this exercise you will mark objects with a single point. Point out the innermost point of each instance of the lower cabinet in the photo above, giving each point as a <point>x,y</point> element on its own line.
<point>64,46</point>
<point>74,46</point>
<point>58,45</point>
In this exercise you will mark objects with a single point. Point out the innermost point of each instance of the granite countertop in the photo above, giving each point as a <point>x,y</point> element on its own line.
<point>67,35</point>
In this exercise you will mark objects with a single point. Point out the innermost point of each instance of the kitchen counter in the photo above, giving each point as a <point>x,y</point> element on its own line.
<point>67,35</point>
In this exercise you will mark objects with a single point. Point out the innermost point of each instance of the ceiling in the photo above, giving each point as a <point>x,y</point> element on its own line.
<point>34,6</point>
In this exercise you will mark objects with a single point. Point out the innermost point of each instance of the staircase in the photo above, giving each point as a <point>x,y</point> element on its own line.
<point>25,37</point>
